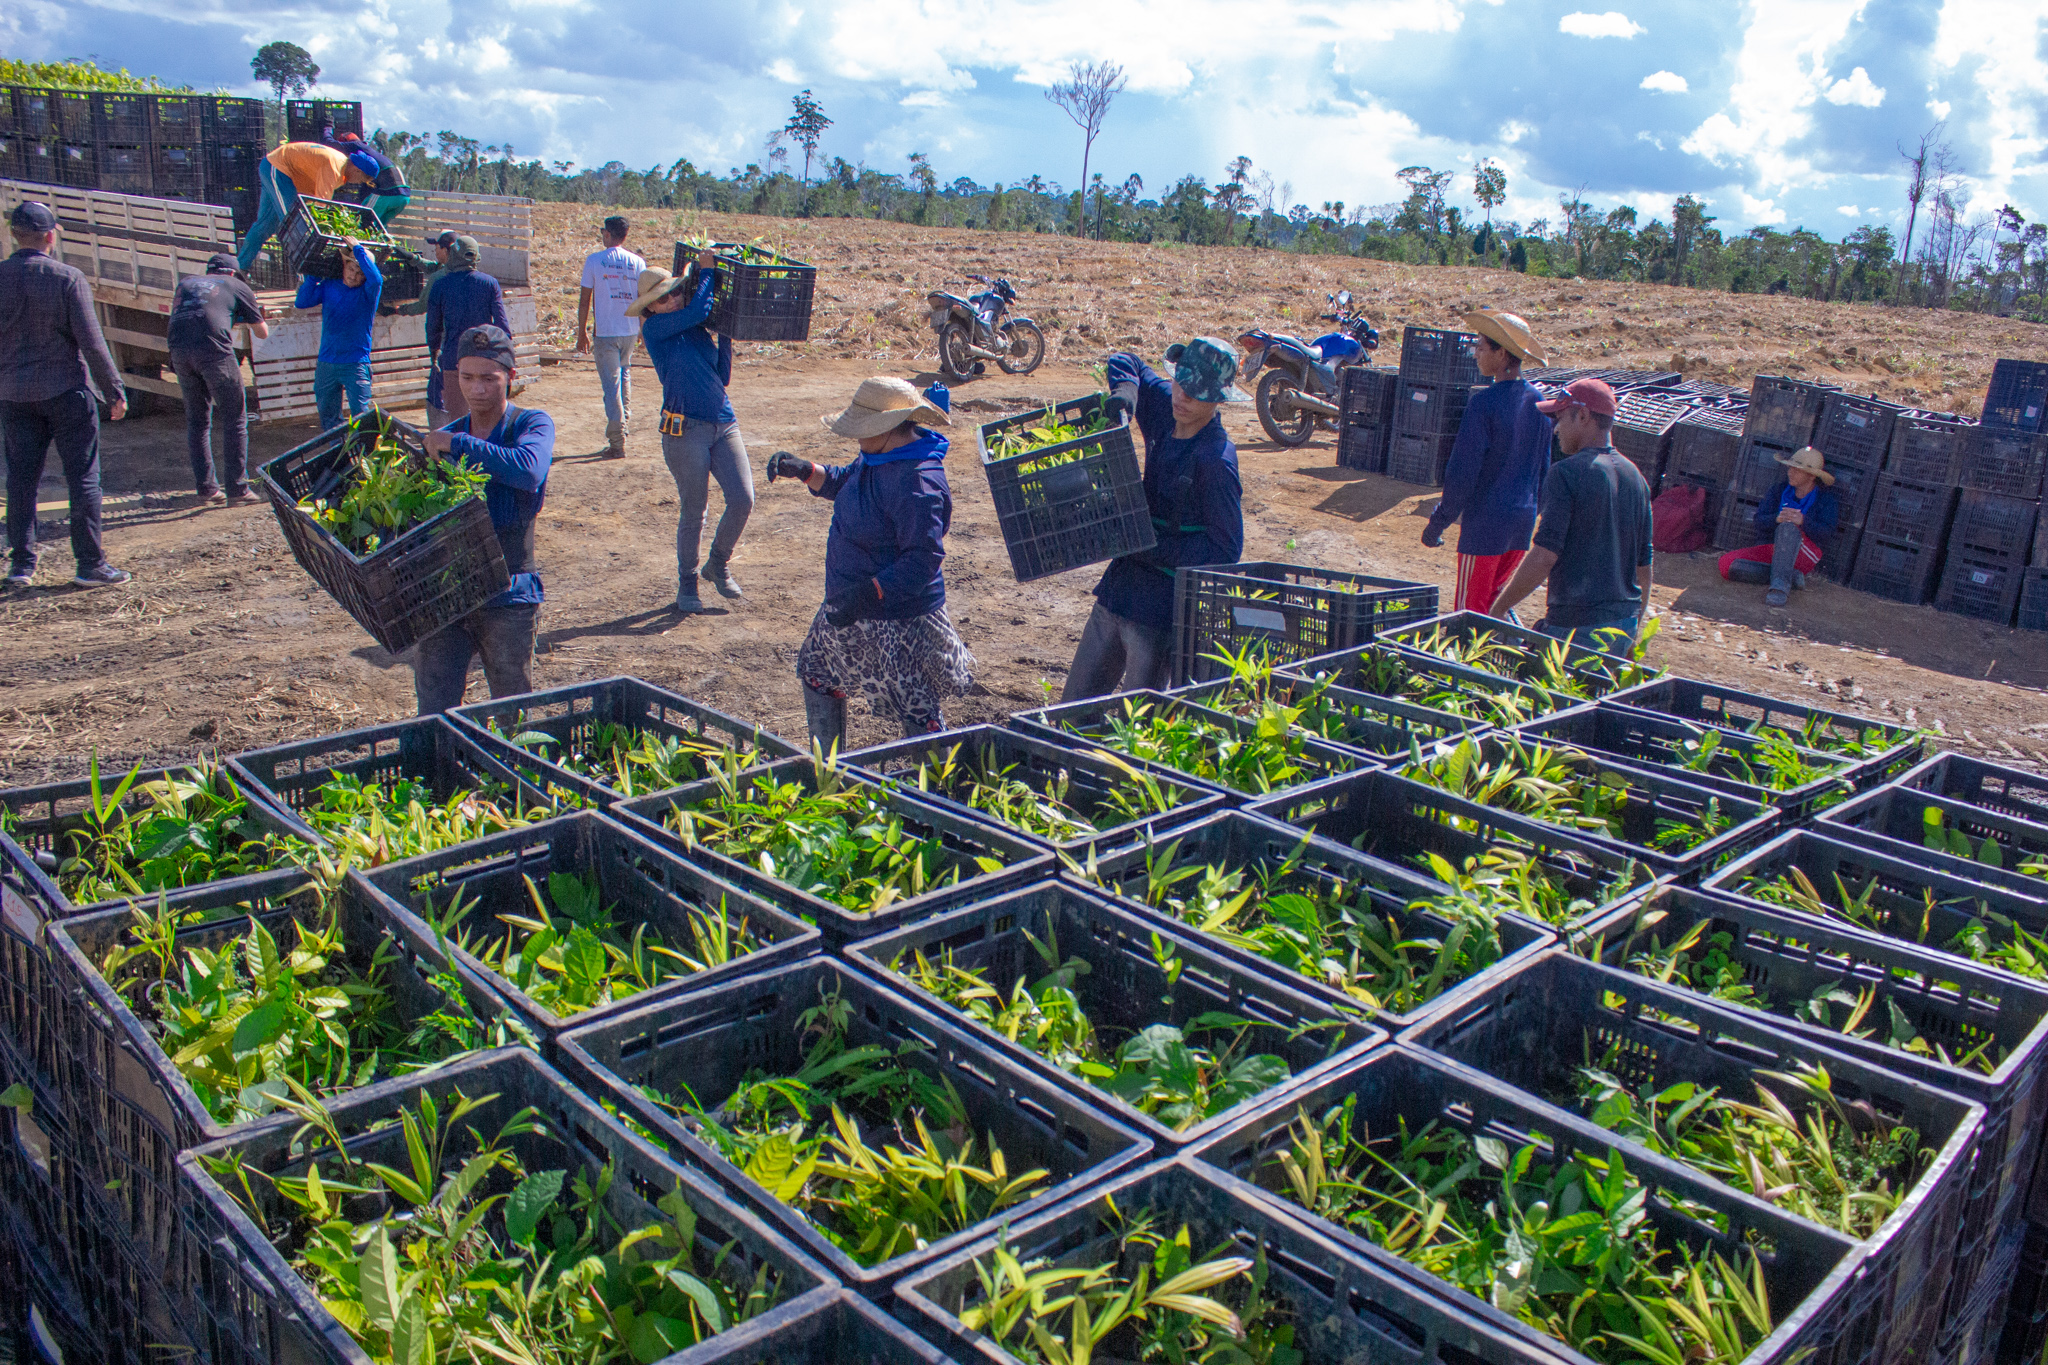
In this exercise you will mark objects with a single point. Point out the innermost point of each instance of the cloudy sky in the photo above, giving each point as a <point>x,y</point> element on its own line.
<point>1782,112</point>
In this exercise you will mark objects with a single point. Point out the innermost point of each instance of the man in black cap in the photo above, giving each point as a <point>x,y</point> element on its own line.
<point>51,358</point>
<point>515,446</point>
<point>611,280</point>
<point>204,312</point>
<point>440,242</point>
<point>462,297</point>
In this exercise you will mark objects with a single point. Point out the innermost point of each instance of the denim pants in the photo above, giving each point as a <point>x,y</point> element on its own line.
<point>332,383</point>
<point>502,635</point>
<point>72,421</point>
<point>708,450</point>
<point>615,375</point>
<point>1591,637</point>
<point>212,386</point>
<point>280,197</point>
<point>1117,655</point>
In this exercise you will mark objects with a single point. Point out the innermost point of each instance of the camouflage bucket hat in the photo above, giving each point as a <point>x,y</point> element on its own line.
<point>1205,368</point>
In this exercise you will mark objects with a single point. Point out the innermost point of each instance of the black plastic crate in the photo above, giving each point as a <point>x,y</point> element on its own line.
<point>309,120</point>
<point>311,249</point>
<point>824,1327</point>
<point>1882,750</point>
<point>404,281</point>
<point>2017,396</point>
<point>231,118</point>
<point>1994,526</point>
<point>1897,820</point>
<point>1363,448</point>
<point>1068,505</point>
<point>1535,1028</point>
<point>44,1316</point>
<point>1819,1301</point>
<point>1910,514</point>
<point>1901,572</point>
<point>1389,670</point>
<point>1643,425</point>
<point>255,1307</point>
<point>231,165</point>
<point>970,844</point>
<point>1735,527</point>
<point>1283,858</point>
<point>2026,1317</point>
<point>1925,449</point>
<point>118,170</point>
<point>1704,445</point>
<point>572,717</point>
<point>1289,611</point>
<point>76,117</point>
<point>410,586</point>
<point>1735,765</point>
<point>2010,791</point>
<point>118,116</point>
<point>1093,786</point>
<point>243,205</point>
<point>2002,460</point>
<point>1125,988</point>
<point>1978,585</point>
<point>640,882</point>
<point>1977,1324</point>
<point>1429,409</point>
<point>754,299</point>
<point>45,1192</point>
<point>38,161</point>
<point>1419,459</point>
<point>1784,412</point>
<point>2033,608</point>
<point>1346,1309</point>
<point>177,120</point>
<point>712,1040</point>
<point>180,170</point>
<point>1405,823</point>
<point>31,1043</point>
<point>1524,654</point>
<point>1378,727</point>
<point>1855,431</point>
<point>35,111</point>
<point>1366,396</point>
<point>1432,355</point>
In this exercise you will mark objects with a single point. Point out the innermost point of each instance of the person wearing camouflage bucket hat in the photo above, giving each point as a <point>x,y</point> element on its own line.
<point>1196,501</point>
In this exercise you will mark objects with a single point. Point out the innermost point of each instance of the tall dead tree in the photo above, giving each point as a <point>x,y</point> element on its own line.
<point>1085,95</point>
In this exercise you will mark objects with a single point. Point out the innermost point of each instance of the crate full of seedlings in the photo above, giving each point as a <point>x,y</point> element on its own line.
<point>1068,488</point>
<point>1389,670</point>
<point>761,294</point>
<point>1284,611</point>
<point>578,919</point>
<point>865,1127</point>
<point>826,1327</point>
<point>1909,823</point>
<point>2012,791</point>
<point>1378,727</point>
<point>314,238</point>
<point>403,542</point>
<point>598,742</point>
<point>1353,931</point>
<point>1168,1033</point>
<point>1880,751</point>
<point>1351,1154</point>
<point>835,847</point>
<point>1072,801</point>
<point>1507,650</point>
<point>397,1219</point>
<point>1723,1093</point>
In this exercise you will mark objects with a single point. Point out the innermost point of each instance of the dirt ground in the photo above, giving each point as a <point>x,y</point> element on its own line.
<point>222,642</point>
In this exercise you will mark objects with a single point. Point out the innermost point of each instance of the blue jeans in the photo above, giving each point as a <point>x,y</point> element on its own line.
<point>1117,655</point>
<point>280,197</point>
<point>707,451</point>
<point>615,376</point>
<point>71,422</point>
<point>502,635</point>
<point>332,383</point>
<point>1588,637</point>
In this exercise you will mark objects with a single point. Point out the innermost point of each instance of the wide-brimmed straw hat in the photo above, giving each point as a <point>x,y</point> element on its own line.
<point>1506,329</point>
<point>1808,459</point>
<point>653,285</point>
<point>881,405</point>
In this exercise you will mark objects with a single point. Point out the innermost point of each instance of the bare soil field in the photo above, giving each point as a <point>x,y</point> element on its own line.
<point>221,642</point>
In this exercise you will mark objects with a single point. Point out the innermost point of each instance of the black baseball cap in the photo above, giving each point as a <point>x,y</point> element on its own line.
<point>445,237</point>
<point>220,263</point>
<point>615,225</point>
<point>487,343</point>
<point>29,216</point>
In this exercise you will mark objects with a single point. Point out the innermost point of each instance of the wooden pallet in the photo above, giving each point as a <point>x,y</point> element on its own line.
<point>503,229</point>
<point>398,378</point>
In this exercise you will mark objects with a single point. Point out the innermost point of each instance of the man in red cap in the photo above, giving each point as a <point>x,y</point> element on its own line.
<point>1593,541</point>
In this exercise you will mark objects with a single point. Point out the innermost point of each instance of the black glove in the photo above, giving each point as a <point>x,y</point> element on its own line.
<point>1117,411</point>
<point>783,465</point>
<point>857,603</point>
<point>1433,535</point>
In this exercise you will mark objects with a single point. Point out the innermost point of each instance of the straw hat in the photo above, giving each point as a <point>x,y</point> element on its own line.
<point>881,405</point>
<point>653,285</point>
<point>1506,329</point>
<point>1808,459</point>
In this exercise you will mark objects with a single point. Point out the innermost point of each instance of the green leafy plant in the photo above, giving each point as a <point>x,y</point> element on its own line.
<point>1271,755</point>
<point>1383,671</point>
<point>630,761</point>
<point>1044,428</point>
<point>1559,786</point>
<point>344,220</point>
<point>1253,683</point>
<point>371,823</point>
<point>1507,879</point>
<point>1048,809</point>
<point>390,491</point>
<point>1986,936</point>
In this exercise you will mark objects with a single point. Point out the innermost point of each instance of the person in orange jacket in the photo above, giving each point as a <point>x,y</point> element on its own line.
<point>294,169</point>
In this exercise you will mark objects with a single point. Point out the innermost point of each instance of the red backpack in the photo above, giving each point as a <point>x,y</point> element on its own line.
<point>1678,518</point>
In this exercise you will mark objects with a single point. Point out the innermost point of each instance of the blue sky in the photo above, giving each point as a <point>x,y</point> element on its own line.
<point>1785,112</point>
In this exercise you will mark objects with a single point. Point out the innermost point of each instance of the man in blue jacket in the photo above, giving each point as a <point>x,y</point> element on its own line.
<point>462,297</point>
<point>1495,475</point>
<point>515,446</point>
<point>348,309</point>
<point>1192,487</point>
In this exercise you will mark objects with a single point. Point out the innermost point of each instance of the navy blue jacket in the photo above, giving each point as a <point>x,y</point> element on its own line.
<point>693,368</point>
<point>1821,519</point>
<point>346,315</point>
<point>1196,500</point>
<point>462,299</point>
<point>517,455</point>
<point>1495,475</point>
<point>890,514</point>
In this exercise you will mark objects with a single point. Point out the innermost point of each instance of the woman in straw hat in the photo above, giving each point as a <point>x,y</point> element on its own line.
<point>1794,523</point>
<point>700,436</point>
<point>1494,478</point>
<point>883,630</point>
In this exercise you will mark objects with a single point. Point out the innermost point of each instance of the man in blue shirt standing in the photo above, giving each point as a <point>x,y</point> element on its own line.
<point>462,297</point>
<point>348,309</point>
<point>1496,469</point>
<point>515,446</point>
<point>1192,487</point>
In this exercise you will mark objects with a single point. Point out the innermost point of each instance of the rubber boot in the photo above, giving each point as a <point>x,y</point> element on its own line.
<point>1749,571</point>
<point>718,573</point>
<point>1784,554</point>
<point>615,439</point>
<point>825,718</point>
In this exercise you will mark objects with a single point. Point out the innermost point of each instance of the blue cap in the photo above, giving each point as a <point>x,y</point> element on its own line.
<point>366,164</point>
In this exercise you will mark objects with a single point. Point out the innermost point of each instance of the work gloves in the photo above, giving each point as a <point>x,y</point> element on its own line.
<point>1432,536</point>
<point>858,603</point>
<point>783,465</point>
<point>1123,403</point>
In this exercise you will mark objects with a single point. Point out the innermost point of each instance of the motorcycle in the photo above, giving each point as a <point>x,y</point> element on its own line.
<point>1300,389</point>
<point>978,329</point>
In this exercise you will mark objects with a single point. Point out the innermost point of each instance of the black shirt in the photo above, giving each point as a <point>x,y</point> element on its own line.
<point>50,341</point>
<point>204,310</point>
<point>1596,520</point>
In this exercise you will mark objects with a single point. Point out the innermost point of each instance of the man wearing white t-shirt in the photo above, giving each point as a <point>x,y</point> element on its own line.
<point>611,278</point>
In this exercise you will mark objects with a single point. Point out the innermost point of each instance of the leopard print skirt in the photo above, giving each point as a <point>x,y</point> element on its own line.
<point>906,669</point>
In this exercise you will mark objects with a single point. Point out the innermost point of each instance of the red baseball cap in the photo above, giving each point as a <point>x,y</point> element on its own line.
<point>1591,394</point>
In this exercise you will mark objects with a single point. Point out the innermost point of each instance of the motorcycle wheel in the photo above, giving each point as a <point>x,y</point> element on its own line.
<point>1027,347</point>
<point>955,360</point>
<point>1287,424</point>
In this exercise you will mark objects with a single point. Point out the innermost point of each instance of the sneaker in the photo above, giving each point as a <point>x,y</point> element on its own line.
<point>688,602</point>
<point>106,575</point>
<point>1777,597</point>
<point>214,498</point>
<point>248,497</point>
<point>21,578</point>
<point>719,575</point>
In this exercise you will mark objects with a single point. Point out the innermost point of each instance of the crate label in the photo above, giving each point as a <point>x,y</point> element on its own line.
<point>2032,412</point>
<point>1856,419</point>
<point>1259,618</point>
<point>1979,577</point>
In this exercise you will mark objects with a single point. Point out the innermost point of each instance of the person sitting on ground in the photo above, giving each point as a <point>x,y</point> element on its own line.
<point>1795,523</point>
<point>883,630</point>
<point>1192,488</point>
<point>516,447</point>
<point>294,169</point>
<point>204,311</point>
<point>462,297</point>
<point>348,310</point>
<point>1593,544</point>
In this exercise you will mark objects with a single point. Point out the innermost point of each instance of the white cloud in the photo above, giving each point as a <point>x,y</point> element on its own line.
<point>1781,70</point>
<point>1938,108</point>
<point>1979,40</point>
<point>1760,211</point>
<point>1613,24</point>
<point>924,99</point>
<point>1669,82</point>
<point>781,69</point>
<point>1857,89</point>
<point>1847,210</point>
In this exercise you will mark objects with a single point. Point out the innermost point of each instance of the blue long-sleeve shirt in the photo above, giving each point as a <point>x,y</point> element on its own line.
<point>890,514</point>
<point>517,455</point>
<point>346,315</point>
<point>1494,479</point>
<point>1197,502</point>
<point>693,368</point>
<point>1822,518</point>
<point>462,299</point>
